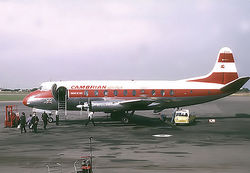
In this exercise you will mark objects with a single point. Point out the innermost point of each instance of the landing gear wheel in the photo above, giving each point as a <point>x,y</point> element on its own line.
<point>125,120</point>
<point>50,120</point>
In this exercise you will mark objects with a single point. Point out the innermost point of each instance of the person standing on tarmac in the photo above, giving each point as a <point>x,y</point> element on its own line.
<point>57,118</point>
<point>29,121</point>
<point>35,121</point>
<point>45,120</point>
<point>23,122</point>
<point>90,118</point>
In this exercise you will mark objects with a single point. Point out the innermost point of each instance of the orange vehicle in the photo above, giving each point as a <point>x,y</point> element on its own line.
<point>11,116</point>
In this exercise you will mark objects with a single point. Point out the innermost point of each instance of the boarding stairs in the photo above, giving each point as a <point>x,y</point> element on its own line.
<point>62,109</point>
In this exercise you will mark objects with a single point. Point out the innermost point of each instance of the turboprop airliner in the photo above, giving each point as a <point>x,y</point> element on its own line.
<point>123,98</point>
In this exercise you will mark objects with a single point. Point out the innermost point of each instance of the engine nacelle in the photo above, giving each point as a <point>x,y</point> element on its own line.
<point>105,106</point>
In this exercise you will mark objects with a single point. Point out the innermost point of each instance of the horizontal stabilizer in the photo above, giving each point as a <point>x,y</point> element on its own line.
<point>235,85</point>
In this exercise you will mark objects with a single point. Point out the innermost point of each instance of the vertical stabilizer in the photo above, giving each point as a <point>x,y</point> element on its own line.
<point>224,70</point>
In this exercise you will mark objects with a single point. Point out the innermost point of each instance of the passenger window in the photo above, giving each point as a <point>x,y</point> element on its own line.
<point>162,92</point>
<point>142,91</point>
<point>115,92</point>
<point>125,92</point>
<point>96,93</point>
<point>133,92</point>
<point>86,93</point>
<point>105,92</point>
<point>153,92</point>
<point>171,92</point>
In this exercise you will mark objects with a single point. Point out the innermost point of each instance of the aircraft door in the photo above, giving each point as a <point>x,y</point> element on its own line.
<point>62,100</point>
<point>62,94</point>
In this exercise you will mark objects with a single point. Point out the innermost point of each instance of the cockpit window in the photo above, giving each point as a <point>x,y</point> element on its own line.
<point>46,86</point>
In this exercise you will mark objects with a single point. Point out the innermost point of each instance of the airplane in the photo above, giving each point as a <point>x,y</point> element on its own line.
<point>123,98</point>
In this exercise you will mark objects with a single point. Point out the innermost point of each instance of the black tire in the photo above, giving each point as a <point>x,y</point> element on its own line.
<point>125,120</point>
<point>50,120</point>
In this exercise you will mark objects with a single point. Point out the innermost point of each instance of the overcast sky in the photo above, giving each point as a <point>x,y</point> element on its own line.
<point>115,40</point>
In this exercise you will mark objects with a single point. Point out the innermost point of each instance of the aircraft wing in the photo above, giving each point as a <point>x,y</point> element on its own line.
<point>136,102</point>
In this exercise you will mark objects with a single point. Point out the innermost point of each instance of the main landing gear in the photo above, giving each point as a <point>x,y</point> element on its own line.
<point>124,116</point>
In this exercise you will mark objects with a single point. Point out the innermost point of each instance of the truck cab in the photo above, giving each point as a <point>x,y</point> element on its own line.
<point>183,117</point>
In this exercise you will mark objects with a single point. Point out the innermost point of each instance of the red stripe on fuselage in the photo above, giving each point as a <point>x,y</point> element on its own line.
<point>145,93</point>
<point>138,93</point>
<point>218,77</point>
<point>226,57</point>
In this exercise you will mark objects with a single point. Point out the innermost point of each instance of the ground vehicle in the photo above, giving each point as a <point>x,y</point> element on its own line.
<point>11,116</point>
<point>183,117</point>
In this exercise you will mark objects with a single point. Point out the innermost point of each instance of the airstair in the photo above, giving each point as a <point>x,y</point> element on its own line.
<point>62,109</point>
<point>62,102</point>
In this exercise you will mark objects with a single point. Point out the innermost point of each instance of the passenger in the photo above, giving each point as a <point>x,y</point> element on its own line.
<point>9,117</point>
<point>57,118</point>
<point>29,122</point>
<point>23,122</point>
<point>14,120</point>
<point>90,118</point>
<point>45,120</point>
<point>34,122</point>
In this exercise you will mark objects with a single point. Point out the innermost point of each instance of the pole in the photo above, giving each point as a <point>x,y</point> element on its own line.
<point>65,104</point>
<point>90,145</point>
<point>60,164</point>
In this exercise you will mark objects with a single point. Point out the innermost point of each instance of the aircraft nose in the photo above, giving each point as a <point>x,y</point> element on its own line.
<point>25,100</point>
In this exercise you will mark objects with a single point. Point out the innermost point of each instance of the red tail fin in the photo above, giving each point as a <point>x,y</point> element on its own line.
<point>224,70</point>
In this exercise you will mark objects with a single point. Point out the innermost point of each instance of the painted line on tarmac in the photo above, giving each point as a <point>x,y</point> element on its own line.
<point>162,135</point>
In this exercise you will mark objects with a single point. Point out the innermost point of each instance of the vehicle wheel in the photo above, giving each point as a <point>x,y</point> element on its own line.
<point>50,120</point>
<point>125,120</point>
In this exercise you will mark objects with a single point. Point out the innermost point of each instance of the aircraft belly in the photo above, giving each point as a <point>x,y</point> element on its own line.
<point>109,104</point>
<point>187,101</point>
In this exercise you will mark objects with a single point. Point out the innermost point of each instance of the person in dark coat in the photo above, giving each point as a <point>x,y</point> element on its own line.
<point>57,118</point>
<point>45,120</point>
<point>34,122</point>
<point>23,122</point>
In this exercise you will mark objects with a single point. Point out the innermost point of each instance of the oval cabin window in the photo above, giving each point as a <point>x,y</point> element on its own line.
<point>171,92</point>
<point>125,92</point>
<point>153,92</point>
<point>105,93</point>
<point>162,92</point>
<point>115,92</point>
<point>133,92</point>
<point>96,93</point>
<point>86,93</point>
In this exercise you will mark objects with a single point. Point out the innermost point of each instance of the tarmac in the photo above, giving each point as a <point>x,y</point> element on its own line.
<point>223,146</point>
